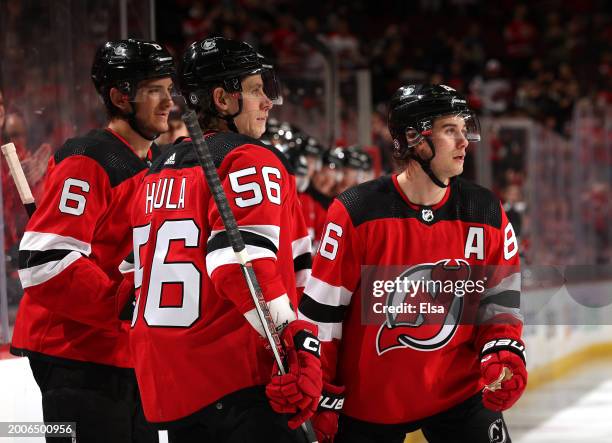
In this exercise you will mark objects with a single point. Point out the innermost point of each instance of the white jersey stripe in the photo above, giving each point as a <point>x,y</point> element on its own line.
<point>509,283</point>
<point>226,256</point>
<point>125,267</point>
<point>42,241</point>
<point>301,246</point>
<point>301,278</point>
<point>327,294</point>
<point>327,331</point>
<point>36,275</point>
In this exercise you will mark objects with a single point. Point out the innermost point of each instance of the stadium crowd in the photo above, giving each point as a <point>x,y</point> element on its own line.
<point>535,59</point>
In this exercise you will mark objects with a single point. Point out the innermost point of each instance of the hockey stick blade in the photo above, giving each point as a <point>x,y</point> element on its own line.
<point>202,152</point>
<point>19,178</point>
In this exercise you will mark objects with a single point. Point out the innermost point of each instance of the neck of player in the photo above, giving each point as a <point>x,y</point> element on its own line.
<point>418,187</point>
<point>139,145</point>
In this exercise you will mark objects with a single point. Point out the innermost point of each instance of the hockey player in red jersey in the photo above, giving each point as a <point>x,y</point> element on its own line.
<point>68,322</point>
<point>454,364</point>
<point>203,367</point>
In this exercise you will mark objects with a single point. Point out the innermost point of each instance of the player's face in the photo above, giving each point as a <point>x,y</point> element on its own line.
<point>350,178</point>
<point>314,165</point>
<point>154,99</point>
<point>325,180</point>
<point>449,139</point>
<point>255,107</point>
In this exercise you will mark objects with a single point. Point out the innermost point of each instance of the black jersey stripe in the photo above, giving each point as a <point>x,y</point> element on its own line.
<point>28,259</point>
<point>510,299</point>
<point>116,158</point>
<point>221,240</point>
<point>302,262</point>
<point>320,312</point>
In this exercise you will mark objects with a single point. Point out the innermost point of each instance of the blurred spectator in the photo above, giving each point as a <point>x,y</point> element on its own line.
<point>2,116</point>
<point>492,91</point>
<point>520,36</point>
<point>345,44</point>
<point>515,206</point>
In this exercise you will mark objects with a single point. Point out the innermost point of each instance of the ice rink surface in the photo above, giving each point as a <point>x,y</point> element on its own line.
<point>574,409</point>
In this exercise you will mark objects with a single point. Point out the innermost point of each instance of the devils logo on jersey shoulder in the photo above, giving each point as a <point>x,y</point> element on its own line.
<point>438,309</point>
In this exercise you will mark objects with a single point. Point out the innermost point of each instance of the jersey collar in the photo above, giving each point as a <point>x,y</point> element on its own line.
<point>126,143</point>
<point>414,205</point>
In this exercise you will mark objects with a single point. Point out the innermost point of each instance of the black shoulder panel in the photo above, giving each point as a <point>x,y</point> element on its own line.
<point>380,199</point>
<point>220,144</point>
<point>470,202</point>
<point>118,160</point>
<point>177,156</point>
<point>374,200</point>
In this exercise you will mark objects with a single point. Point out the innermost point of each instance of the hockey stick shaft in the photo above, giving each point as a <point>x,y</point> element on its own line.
<point>23,188</point>
<point>236,241</point>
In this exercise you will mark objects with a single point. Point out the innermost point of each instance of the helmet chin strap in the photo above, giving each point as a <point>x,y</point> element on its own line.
<point>131,119</point>
<point>426,165</point>
<point>229,119</point>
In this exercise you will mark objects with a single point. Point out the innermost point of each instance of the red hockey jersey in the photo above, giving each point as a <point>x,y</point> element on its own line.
<point>315,207</point>
<point>401,364</point>
<point>71,251</point>
<point>193,338</point>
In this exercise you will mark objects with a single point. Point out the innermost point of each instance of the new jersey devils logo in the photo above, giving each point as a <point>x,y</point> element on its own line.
<point>437,312</point>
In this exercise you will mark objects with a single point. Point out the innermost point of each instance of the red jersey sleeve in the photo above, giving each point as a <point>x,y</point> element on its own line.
<point>335,278</point>
<point>56,267</point>
<point>499,313</point>
<point>256,185</point>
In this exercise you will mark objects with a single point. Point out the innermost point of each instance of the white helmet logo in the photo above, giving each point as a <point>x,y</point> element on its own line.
<point>207,45</point>
<point>121,50</point>
<point>407,91</point>
<point>448,88</point>
<point>427,215</point>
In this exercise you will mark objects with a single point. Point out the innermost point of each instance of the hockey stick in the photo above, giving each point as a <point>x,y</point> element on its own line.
<point>229,222</point>
<point>10,153</point>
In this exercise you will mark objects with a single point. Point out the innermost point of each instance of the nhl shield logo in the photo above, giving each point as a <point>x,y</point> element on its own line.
<point>497,432</point>
<point>427,215</point>
<point>207,45</point>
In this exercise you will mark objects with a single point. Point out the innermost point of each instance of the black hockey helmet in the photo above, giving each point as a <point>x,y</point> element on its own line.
<point>122,64</point>
<point>366,161</point>
<point>412,111</point>
<point>313,148</point>
<point>334,158</point>
<point>222,62</point>
<point>353,158</point>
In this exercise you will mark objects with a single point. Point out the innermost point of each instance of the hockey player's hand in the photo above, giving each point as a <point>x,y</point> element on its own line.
<point>298,391</point>
<point>502,365</point>
<point>325,421</point>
